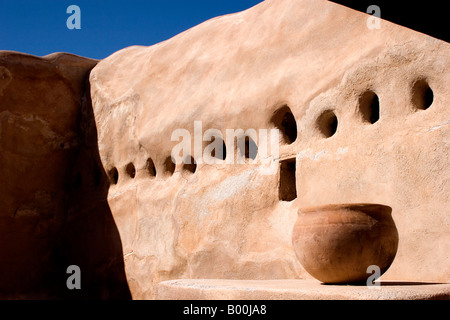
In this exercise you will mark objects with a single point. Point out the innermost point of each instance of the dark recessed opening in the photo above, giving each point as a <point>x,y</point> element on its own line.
<point>96,175</point>
<point>77,180</point>
<point>422,95</point>
<point>327,123</point>
<point>130,170</point>
<point>169,166</point>
<point>250,148</point>
<point>284,120</point>
<point>113,175</point>
<point>429,97</point>
<point>189,164</point>
<point>150,166</point>
<point>287,186</point>
<point>369,106</point>
<point>220,152</point>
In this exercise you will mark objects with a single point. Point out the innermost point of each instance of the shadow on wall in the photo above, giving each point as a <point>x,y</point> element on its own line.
<point>53,208</point>
<point>90,238</point>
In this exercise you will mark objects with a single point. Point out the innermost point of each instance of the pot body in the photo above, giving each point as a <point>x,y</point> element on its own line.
<point>337,243</point>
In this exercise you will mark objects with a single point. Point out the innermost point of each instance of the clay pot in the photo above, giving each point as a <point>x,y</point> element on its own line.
<point>337,243</point>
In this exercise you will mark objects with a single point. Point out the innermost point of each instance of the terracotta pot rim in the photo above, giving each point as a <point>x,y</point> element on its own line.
<point>338,206</point>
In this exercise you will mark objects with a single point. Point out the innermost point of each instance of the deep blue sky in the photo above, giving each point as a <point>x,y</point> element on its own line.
<point>39,26</point>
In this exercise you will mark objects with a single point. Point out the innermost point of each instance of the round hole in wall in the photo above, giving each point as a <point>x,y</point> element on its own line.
<point>130,170</point>
<point>327,123</point>
<point>422,95</point>
<point>369,107</point>
<point>150,166</point>
<point>248,149</point>
<point>284,120</point>
<point>113,175</point>
<point>219,153</point>
<point>251,149</point>
<point>189,164</point>
<point>169,166</point>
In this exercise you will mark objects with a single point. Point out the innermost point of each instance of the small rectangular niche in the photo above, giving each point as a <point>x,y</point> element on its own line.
<point>287,189</point>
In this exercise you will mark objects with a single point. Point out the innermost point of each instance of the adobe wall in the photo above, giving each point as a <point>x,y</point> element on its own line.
<point>371,118</point>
